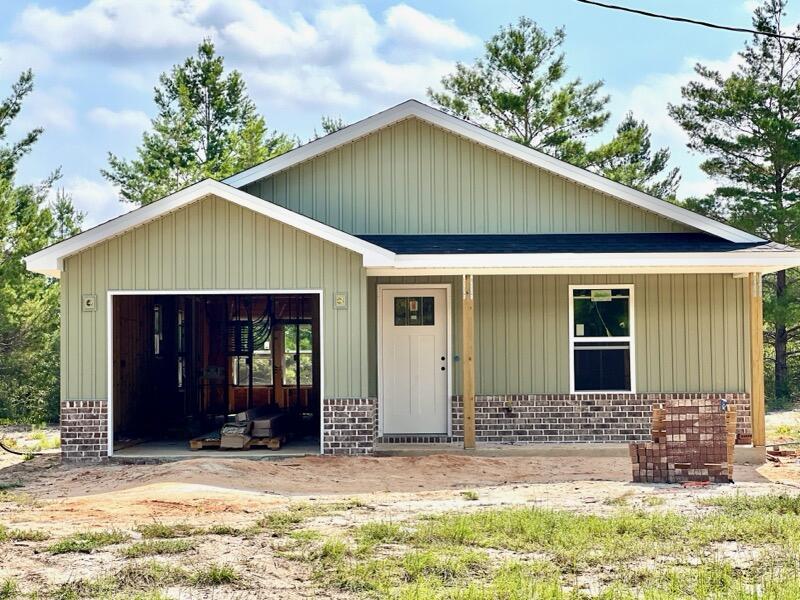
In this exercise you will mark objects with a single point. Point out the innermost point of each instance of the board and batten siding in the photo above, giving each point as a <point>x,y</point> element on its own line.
<point>212,244</point>
<point>414,177</point>
<point>691,331</point>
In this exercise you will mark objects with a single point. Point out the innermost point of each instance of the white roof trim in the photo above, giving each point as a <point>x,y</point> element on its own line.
<point>49,260</point>
<point>413,108</point>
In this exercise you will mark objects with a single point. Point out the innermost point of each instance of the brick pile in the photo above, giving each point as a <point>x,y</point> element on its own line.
<point>693,440</point>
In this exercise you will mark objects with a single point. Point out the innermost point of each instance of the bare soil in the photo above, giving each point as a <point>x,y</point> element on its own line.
<point>64,499</point>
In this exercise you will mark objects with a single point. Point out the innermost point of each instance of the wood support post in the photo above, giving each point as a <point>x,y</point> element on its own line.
<point>757,360</point>
<point>468,359</point>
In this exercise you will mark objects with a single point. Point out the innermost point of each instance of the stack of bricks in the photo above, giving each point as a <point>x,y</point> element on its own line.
<point>693,440</point>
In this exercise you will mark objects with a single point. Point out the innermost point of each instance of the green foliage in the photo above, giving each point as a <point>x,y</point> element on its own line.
<point>8,589</point>
<point>29,317</point>
<point>215,575</point>
<point>748,125</point>
<point>329,125</point>
<point>519,90</point>
<point>206,126</point>
<point>157,530</point>
<point>87,542</point>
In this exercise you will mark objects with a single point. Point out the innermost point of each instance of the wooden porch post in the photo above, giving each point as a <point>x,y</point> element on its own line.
<point>757,360</point>
<point>468,359</point>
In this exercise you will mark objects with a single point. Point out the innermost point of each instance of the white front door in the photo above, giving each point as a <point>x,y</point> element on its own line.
<point>413,359</point>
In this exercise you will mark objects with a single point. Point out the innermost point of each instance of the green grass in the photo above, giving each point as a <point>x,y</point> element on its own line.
<point>215,575</point>
<point>742,504</point>
<point>531,552</point>
<point>9,485</point>
<point>87,542</point>
<point>469,495</point>
<point>8,589</point>
<point>156,548</point>
<point>158,530</point>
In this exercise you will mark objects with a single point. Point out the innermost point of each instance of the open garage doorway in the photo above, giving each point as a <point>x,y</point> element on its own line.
<point>222,373</point>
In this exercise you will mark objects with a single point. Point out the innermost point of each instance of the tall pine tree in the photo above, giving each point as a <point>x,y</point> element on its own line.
<point>519,89</point>
<point>748,125</point>
<point>29,316</point>
<point>206,126</point>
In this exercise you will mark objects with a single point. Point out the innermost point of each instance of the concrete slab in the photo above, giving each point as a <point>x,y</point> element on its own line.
<point>179,450</point>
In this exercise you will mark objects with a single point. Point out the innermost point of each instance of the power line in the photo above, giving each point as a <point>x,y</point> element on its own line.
<point>645,13</point>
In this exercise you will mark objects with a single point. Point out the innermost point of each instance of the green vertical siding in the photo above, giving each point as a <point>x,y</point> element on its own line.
<point>413,177</point>
<point>690,331</point>
<point>212,244</point>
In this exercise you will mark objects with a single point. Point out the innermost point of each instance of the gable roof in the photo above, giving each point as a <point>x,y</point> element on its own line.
<point>49,260</point>
<point>416,109</point>
<point>454,254</point>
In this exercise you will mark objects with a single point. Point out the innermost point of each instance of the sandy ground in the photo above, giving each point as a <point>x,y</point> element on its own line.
<point>63,499</point>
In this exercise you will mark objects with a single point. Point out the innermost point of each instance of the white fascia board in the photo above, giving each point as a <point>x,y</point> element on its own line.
<point>413,108</point>
<point>49,260</point>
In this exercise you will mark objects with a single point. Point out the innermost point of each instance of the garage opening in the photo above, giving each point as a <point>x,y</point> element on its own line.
<point>203,373</point>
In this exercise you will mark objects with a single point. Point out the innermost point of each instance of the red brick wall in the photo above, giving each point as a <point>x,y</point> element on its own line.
<point>570,418</point>
<point>349,425</point>
<point>84,430</point>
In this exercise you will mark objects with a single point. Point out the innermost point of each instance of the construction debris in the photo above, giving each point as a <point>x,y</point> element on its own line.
<point>693,440</point>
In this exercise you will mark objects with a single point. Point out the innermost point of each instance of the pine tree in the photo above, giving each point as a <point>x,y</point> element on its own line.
<point>29,316</point>
<point>519,90</point>
<point>748,125</point>
<point>206,126</point>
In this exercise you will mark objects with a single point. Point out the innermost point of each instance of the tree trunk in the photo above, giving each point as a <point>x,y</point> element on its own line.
<point>781,340</point>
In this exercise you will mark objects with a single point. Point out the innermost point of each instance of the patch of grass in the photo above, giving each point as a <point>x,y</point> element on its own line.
<point>653,501</point>
<point>8,589</point>
<point>158,530</point>
<point>469,495</point>
<point>621,500</point>
<point>214,574</point>
<point>280,523</point>
<point>86,542</point>
<point>9,485</point>
<point>228,530</point>
<point>150,574</point>
<point>156,548</point>
<point>83,588</point>
<point>381,532</point>
<point>27,535</point>
<point>444,564</point>
<point>742,504</point>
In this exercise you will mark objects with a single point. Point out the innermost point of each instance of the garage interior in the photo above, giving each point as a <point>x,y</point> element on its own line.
<point>221,373</point>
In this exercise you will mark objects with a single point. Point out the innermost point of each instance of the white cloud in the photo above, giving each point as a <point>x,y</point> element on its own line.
<point>134,120</point>
<point>410,25</point>
<point>143,25</point>
<point>50,108</point>
<point>339,55</point>
<point>99,199</point>
<point>649,100</point>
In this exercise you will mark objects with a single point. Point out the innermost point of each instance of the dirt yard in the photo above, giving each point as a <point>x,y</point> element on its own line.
<point>326,527</point>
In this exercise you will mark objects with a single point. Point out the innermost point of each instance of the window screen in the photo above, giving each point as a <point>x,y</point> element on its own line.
<point>413,310</point>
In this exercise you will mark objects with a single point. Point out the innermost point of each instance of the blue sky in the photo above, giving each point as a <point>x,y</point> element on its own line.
<point>96,62</point>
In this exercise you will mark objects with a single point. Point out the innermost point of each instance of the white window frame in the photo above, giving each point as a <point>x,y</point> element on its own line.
<point>630,338</point>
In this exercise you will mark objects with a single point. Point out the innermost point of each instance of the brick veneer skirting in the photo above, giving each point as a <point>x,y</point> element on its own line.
<point>350,425</point>
<point>566,418</point>
<point>84,430</point>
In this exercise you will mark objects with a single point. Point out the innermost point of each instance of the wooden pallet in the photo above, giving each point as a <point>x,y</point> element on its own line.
<point>271,443</point>
<point>204,442</point>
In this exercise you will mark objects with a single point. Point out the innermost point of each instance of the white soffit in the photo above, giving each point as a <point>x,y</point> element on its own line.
<point>414,108</point>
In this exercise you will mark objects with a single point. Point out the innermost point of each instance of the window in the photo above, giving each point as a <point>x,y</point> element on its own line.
<point>414,310</point>
<point>601,338</point>
<point>158,331</point>
<point>260,360</point>
<point>180,342</point>
<point>298,358</point>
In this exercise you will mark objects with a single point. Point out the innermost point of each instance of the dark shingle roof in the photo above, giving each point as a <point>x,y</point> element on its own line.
<point>550,243</point>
